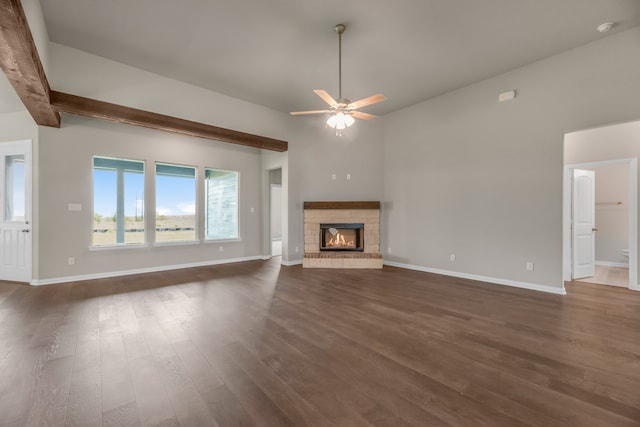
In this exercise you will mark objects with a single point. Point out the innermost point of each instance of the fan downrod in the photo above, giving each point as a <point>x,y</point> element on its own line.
<point>340,29</point>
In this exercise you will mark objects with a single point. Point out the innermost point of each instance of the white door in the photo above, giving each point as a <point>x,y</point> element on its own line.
<point>15,218</point>
<point>584,263</point>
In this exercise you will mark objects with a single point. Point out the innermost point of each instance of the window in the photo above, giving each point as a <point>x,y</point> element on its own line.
<point>175,203</point>
<point>118,201</point>
<point>14,191</point>
<point>221,192</point>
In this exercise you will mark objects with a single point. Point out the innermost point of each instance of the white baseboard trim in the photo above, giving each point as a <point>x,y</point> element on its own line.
<point>612,264</point>
<point>292,263</point>
<point>39,282</point>
<point>494,280</point>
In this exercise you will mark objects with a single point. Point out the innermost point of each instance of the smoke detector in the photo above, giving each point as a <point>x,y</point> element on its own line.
<point>603,28</point>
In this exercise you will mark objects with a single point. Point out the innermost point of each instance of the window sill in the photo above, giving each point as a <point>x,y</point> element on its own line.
<point>177,243</point>
<point>117,247</point>
<point>222,240</point>
<point>160,244</point>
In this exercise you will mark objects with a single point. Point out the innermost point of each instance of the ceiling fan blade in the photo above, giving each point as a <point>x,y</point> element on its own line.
<point>326,97</point>
<point>361,115</point>
<point>374,99</point>
<point>299,113</point>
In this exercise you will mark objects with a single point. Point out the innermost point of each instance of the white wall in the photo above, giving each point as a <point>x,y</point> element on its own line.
<point>17,126</point>
<point>316,154</point>
<point>33,12</point>
<point>83,74</point>
<point>465,174</point>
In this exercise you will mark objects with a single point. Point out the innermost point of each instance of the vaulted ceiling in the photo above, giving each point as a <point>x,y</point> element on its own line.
<point>274,53</point>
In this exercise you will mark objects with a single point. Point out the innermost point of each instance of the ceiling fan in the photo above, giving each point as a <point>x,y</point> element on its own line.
<point>342,110</point>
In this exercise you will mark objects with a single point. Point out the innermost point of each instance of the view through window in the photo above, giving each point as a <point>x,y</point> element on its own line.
<point>221,192</point>
<point>118,201</point>
<point>175,203</point>
<point>14,209</point>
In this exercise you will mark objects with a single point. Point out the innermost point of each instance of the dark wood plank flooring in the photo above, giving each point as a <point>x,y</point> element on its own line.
<point>256,344</point>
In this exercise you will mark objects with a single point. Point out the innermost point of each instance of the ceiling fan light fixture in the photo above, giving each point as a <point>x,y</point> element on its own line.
<point>332,121</point>
<point>340,121</point>
<point>343,111</point>
<point>348,120</point>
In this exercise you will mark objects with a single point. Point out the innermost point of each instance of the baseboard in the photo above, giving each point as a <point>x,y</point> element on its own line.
<point>494,280</point>
<point>612,264</point>
<point>105,275</point>
<point>524,285</point>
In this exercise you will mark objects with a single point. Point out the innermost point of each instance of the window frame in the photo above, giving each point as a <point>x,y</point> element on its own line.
<point>238,210</point>
<point>144,243</point>
<point>183,242</point>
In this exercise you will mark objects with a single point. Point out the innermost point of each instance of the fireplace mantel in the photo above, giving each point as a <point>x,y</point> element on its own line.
<point>366,213</point>
<point>342,205</point>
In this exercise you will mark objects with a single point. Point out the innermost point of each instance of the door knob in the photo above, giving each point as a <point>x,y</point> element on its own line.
<point>594,229</point>
<point>26,230</point>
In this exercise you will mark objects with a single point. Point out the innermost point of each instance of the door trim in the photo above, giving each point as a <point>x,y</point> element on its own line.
<point>633,216</point>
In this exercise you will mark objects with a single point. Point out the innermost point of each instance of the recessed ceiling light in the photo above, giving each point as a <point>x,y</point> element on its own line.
<point>603,28</point>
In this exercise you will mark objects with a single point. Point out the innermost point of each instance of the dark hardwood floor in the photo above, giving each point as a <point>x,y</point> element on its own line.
<point>256,344</point>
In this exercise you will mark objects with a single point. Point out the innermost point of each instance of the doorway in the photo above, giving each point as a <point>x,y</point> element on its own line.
<point>275,211</point>
<point>16,215</point>
<point>615,209</point>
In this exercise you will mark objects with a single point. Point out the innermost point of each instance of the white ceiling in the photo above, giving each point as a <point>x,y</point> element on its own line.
<point>276,52</point>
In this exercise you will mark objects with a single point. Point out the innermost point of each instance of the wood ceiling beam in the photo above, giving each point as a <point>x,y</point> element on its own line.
<point>21,64</point>
<point>73,104</point>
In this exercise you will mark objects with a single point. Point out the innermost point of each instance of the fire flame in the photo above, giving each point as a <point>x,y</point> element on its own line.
<point>339,241</point>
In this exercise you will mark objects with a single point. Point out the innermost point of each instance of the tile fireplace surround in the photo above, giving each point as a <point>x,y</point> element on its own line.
<point>367,213</point>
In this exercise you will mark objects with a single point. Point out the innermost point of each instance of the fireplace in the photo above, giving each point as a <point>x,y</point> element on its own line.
<point>342,234</point>
<point>342,237</point>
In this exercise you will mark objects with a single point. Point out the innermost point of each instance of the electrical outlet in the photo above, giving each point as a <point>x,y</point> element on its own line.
<point>333,177</point>
<point>348,177</point>
<point>71,261</point>
<point>221,248</point>
<point>529,266</point>
<point>389,250</point>
<point>452,257</point>
<point>297,249</point>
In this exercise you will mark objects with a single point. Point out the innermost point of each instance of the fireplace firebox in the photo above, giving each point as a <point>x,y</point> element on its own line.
<point>342,237</point>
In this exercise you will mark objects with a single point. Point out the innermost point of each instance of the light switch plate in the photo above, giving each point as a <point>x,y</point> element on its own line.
<point>75,207</point>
